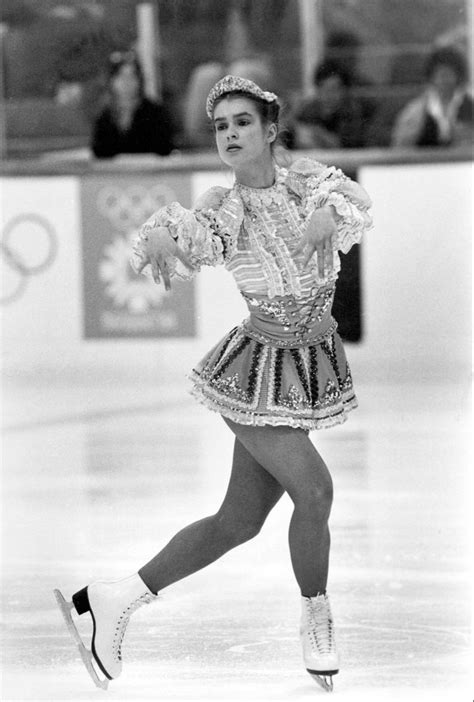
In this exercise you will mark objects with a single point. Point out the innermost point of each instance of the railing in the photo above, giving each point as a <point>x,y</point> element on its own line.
<point>81,162</point>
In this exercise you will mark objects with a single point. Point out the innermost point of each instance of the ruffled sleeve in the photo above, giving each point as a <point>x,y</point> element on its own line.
<point>318,185</point>
<point>207,234</point>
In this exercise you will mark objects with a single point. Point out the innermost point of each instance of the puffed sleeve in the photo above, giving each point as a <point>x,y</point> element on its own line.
<point>318,185</point>
<point>207,234</point>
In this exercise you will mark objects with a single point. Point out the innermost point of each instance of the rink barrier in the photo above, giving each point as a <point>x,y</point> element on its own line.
<point>415,268</point>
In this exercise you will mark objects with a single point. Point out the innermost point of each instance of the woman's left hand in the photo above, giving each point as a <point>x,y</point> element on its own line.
<point>319,239</point>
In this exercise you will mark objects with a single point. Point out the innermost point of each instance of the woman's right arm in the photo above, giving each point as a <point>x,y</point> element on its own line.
<point>157,249</point>
<point>177,241</point>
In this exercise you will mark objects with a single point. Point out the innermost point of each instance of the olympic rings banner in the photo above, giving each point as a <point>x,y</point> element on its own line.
<point>117,302</point>
<point>28,247</point>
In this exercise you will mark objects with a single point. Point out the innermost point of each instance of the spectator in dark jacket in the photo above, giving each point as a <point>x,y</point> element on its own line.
<point>130,122</point>
<point>344,48</point>
<point>332,119</point>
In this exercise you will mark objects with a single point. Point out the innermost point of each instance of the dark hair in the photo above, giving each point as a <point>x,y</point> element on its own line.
<point>447,56</point>
<point>328,69</point>
<point>119,59</point>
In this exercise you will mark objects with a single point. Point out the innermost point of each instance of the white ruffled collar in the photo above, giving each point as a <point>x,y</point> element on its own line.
<point>257,196</point>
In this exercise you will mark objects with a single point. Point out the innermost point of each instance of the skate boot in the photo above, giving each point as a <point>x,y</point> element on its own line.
<point>110,605</point>
<point>317,638</point>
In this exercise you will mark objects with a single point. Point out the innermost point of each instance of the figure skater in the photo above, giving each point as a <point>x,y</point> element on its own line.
<point>280,374</point>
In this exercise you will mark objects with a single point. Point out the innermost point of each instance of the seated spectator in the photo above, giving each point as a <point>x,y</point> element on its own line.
<point>443,114</point>
<point>332,119</point>
<point>343,47</point>
<point>130,122</point>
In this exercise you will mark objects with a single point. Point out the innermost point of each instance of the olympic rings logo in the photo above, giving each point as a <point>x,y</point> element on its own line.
<point>128,208</point>
<point>28,246</point>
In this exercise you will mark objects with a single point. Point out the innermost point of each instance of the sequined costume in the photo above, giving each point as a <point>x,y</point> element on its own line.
<point>285,364</point>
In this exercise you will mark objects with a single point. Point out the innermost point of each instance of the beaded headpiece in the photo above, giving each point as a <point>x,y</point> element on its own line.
<point>231,84</point>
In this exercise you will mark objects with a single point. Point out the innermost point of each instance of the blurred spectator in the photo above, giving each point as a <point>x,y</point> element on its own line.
<point>332,119</point>
<point>130,122</point>
<point>443,114</point>
<point>343,47</point>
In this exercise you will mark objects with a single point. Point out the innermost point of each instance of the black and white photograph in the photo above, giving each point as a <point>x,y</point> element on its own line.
<point>236,350</point>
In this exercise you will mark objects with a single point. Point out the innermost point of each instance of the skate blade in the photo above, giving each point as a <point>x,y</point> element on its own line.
<point>325,681</point>
<point>86,655</point>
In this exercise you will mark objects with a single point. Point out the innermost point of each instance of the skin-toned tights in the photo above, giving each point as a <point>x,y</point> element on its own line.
<point>267,462</point>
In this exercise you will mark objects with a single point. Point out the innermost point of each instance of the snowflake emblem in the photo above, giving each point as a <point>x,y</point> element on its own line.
<point>126,289</point>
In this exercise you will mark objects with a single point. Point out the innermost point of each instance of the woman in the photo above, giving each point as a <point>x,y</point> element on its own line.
<point>278,375</point>
<point>130,122</point>
<point>332,119</point>
<point>443,115</point>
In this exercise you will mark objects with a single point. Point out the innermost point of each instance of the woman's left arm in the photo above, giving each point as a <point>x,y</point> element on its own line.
<point>335,207</point>
<point>319,238</point>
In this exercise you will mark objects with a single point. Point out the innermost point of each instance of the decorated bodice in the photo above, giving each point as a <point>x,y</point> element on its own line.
<point>263,260</point>
<point>254,232</point>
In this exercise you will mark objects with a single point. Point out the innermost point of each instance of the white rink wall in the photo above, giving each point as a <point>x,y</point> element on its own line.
<point>416,272</point>
<point>416,278</point>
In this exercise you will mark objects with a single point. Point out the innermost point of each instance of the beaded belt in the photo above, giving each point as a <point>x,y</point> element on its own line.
<point>289,321</point>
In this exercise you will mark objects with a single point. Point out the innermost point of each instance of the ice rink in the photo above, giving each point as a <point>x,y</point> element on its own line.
<point>104,453</point>
<point>106,456</point>
<point>99,476</point>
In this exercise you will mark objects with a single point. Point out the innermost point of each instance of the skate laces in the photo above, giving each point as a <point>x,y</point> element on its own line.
<point>123,620</point>
<point>320,625</point>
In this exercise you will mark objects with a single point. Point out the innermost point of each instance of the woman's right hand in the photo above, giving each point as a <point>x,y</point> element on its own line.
<point>158,247</point>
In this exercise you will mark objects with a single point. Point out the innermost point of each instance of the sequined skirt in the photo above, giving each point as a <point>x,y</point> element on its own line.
<point>266,371</point>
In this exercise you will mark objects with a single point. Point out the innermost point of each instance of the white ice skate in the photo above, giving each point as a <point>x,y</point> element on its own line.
<point>110,605</point>
<point>317,638</point>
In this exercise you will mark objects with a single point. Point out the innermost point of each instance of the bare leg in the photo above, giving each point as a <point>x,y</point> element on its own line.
<point>251,494</point>
<point>291,458</point>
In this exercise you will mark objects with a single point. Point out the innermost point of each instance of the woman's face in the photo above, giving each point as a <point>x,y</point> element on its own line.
<point>125,82</point>
<point>445,81</point>
<point>331,92</point>
<point>240,135</point>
